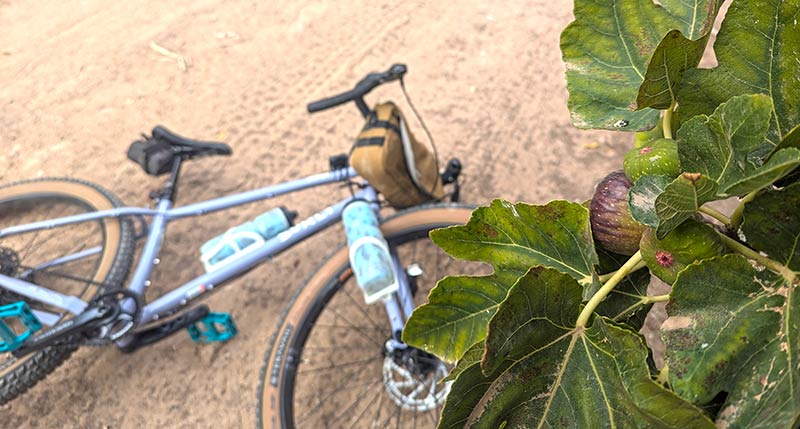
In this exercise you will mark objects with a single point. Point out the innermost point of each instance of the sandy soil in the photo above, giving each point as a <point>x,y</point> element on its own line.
<point>79,81</point>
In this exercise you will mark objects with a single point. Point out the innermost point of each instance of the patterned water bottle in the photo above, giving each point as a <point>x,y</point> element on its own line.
<point>245,238</point>
<point>369,254</point>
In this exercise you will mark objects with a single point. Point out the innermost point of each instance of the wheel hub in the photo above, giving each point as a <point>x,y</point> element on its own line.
<point>412,379</point>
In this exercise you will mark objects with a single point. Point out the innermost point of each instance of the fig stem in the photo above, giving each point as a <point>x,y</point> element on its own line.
<point>606,277</point>
<point>608,286</point>
<point>726,221</point>
<point>771,264</point>
<point>644,300</point>
<point>738,214</point>
<point>655,298</point>
<point>666,121</point>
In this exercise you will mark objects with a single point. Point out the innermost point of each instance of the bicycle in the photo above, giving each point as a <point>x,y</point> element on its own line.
<point>60,291</point>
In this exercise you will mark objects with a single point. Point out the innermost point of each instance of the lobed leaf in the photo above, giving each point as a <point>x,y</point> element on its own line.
<point>609,52</point>
<point>721,146</point>
<point>681,199</point>
<point>672,57</point>
<point>559,375</point>
<point>757,53</point>
<point>772,224</point>
<point>512,238</point>
<point>642,198</point>
<point>744,341</point>
<point>719,151</point>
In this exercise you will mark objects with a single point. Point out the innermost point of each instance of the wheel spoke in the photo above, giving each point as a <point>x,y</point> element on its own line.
<point>334,384</point>
<point>62,248</point>
<point>336,366</point>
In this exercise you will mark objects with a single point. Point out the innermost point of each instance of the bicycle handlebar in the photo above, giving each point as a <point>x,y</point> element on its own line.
<point>364,86</point>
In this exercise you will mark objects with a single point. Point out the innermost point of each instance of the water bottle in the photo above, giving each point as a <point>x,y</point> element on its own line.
<point>245,238</point>
<point>370,259</point>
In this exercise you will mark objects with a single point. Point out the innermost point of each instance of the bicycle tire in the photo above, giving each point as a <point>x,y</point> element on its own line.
<point>112,266</point>
<point>276,380</point>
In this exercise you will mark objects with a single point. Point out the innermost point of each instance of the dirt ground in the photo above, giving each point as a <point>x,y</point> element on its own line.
<point>79,80</point>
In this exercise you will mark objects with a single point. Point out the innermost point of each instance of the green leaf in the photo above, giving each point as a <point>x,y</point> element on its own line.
<point>766,394</point>
<point>663,203</point>
<point>456,315</point>
<point>790,139</point>
<point>718,151</point>
<point>642,198</point>
<point>743,341</point>
<point>681,199</point>
<point>772,224</point>
<point>512,238</point>
<point>674,55</point>
<point>471,357</point>
<point>526,319</point>
<point>720,146</point>
<point>757,53</point>
<point>607,49</point>
<point>781,164</point>
<point>704,337</point>
<point>557,375</point>
<point>466,391</point>
<point>520,236</point>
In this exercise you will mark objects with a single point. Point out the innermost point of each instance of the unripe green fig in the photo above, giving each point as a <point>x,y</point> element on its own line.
<point>612,225</point>
<point>643,138</point>
<point>691,241</point>
<point>656,157</point>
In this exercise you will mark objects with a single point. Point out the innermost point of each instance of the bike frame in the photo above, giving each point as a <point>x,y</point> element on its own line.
<point>398,307</point>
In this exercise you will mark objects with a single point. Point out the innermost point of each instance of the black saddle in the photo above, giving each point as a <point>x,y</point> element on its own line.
<point>188,147</point>
<point>157,153</point>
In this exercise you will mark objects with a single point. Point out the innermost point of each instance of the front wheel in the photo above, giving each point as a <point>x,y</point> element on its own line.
<point>328,365</point>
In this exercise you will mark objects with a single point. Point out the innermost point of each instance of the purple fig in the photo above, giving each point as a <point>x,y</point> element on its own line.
<point>612,225</point>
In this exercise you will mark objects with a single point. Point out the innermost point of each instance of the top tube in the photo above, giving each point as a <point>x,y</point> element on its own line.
<point>195,209</point>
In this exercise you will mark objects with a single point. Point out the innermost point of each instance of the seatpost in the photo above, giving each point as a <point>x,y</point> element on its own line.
<point>170,190</point>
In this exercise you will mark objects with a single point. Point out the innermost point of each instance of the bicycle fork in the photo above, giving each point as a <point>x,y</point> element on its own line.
<point>377,268</point>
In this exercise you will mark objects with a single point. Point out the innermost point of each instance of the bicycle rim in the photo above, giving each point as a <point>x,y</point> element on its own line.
<point>340,374</point>
<point>80,260</point>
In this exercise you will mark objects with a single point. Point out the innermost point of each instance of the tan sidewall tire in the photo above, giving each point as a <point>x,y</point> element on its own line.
<point>112,228</point>
<point>270,386</point>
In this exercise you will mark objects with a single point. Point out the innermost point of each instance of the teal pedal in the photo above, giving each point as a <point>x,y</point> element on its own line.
<point>214,327</point>
<point>19,311</point>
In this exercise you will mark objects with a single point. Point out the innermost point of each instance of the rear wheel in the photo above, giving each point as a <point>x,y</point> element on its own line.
<point>329,365</point>
<point>82,260</point>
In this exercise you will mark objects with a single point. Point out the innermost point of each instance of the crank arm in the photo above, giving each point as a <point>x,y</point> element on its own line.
<point>85,321</point>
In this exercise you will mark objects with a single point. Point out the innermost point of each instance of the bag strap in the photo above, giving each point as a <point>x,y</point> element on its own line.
<point>427,133</point>
<point>371,141</point>
<point>382,124</point>
<point>411,166</point>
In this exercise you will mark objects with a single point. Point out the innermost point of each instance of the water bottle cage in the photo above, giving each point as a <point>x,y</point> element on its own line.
<point>239,251</point>
<point>370,258</point>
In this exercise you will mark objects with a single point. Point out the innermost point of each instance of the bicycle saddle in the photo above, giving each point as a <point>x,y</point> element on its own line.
<point>188,146</point>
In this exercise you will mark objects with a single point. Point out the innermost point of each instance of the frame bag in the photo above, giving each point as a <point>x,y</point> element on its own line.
<point>388,156</point>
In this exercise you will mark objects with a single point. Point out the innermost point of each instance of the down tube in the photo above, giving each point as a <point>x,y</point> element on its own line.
<point>180,297</point>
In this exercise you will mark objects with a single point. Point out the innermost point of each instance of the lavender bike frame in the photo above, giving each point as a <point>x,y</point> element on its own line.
<point>177,299</point>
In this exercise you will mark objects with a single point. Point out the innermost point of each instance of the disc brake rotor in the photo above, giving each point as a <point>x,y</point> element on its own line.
<point>419,393</point>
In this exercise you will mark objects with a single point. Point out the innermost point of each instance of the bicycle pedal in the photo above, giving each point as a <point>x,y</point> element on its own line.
<point>214,327</point>
<point>19,311</point>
